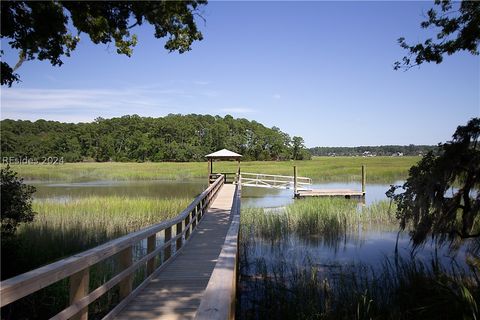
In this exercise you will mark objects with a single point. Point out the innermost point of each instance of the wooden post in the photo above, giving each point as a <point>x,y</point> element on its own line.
<point>151,243</point>
<point>294,181</point>
<point>167,253</point>
<point>238,170</point>
<point>187,229</point>
<point>200,211</point>
<point>79,289</point>
<point>179,231</point>
<point>209,166</point>
<point>125,260</point>
<point>194,218</point>
<point>364,180</point>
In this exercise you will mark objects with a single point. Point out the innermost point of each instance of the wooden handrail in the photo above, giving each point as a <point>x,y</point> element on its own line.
<point>290,178</point>
<point>277,181</point>
<point>218,301</point>
<point>22,285</point>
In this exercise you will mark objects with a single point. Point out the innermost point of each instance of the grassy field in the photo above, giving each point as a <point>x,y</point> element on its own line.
<point>379,169</point>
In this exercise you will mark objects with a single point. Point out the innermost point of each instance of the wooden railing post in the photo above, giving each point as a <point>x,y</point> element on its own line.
<point>168,249</point>
<point>79,289</point>
<point>187,227</point>
<point>125,260</point>
<point>194,217</point>
<point>151,244</point>
<point>364,179</point>
<point>179,231</point>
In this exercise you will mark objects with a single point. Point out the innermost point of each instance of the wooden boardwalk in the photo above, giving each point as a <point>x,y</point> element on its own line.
<point>178,289</point>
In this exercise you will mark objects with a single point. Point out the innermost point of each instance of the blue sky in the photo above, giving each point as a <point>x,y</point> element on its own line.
<point>321,70</point>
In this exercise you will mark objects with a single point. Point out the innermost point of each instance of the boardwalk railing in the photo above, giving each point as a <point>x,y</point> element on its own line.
<point>230,177</point>
<point>274,181</point>
<point>77,267</point>
<point>218,301</point>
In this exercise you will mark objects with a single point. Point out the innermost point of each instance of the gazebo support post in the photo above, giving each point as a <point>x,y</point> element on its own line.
<point>210,168</point>
<point>238,170</point>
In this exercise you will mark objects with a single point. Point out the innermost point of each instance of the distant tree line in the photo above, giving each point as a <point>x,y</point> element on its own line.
<point>134,138</point>
<point>410,150</point>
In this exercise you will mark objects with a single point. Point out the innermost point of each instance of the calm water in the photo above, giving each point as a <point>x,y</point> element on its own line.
<point>251,196</point>
<point>365,247</point>
<point>370,248</point>
<point>154,189</point>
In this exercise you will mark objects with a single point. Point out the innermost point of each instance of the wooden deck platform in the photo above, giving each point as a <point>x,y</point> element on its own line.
<point>345,193</point>
<point>177,291</point>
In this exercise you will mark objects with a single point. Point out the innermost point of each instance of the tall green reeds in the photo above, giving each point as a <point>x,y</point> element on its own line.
<point>408,289</point>
<point>273,287</point>
<point>63,228</point>
<point>328,217</point>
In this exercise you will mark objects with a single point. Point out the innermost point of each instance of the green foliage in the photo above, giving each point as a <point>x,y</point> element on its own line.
<point>442,193</point>
<point>16,202</point>
<point>299,151</point>
<point>459,31</point>
<point>134,138</point>
<point>41,29</point>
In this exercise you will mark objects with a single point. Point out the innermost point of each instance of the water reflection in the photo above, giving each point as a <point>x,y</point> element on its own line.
<point>370,248</point>
<point>63,191</point>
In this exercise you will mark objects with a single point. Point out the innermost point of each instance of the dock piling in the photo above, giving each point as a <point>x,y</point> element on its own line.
<point>364,180</point>
<point>295,181</point>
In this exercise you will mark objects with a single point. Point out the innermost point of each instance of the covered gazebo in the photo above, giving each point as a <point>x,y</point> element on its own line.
<point>223,154</point>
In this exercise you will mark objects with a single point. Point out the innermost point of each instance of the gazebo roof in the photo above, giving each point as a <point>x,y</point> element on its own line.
<point>223,154</point>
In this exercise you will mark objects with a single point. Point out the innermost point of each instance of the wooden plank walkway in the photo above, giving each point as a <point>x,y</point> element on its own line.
<point>176,292</point>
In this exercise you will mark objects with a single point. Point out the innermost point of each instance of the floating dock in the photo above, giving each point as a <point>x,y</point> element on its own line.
<point>343,193</point>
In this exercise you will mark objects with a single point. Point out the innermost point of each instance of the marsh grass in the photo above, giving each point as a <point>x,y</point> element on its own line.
<point>63,228</point>
<point>322,169</point>
<point>328,217</point>
<point>276,287</point>
<point>408,289</point>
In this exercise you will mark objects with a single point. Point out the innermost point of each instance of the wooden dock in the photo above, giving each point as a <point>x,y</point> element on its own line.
<point>177,291</point>
<point>343,193</point>
<point>195,277</point>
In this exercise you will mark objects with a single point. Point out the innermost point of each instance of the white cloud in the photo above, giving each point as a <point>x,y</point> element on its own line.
<point>80,104</point>
<point>83,104</point>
